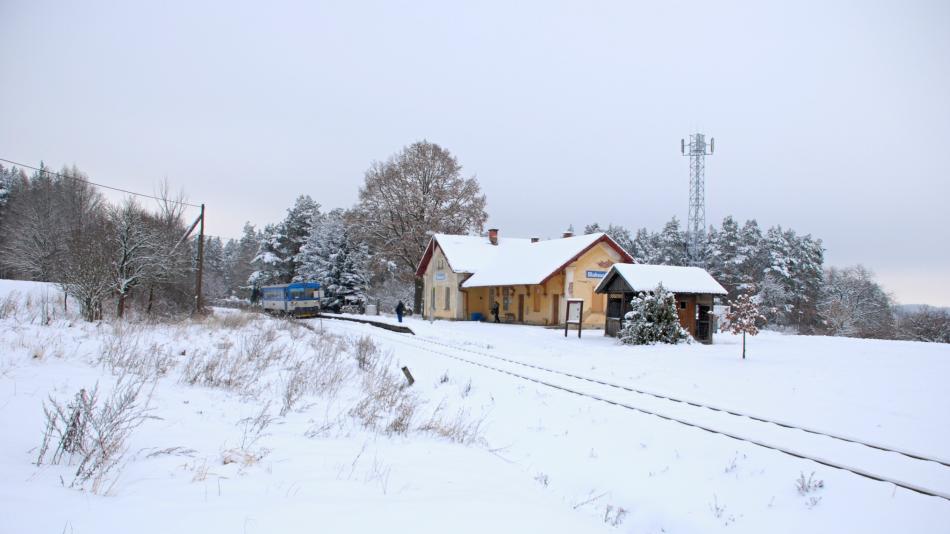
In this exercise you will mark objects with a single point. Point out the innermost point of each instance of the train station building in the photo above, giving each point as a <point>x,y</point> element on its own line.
<point>530,279</point>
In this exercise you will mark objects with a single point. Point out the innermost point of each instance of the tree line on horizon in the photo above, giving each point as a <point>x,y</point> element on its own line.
<point>57,229</point>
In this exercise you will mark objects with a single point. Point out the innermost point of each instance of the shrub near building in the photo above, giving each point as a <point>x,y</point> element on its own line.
<point>653,319</point>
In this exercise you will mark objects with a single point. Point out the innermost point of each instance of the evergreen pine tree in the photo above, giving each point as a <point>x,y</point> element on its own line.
<point>645,247</point>
<point>723,258</point>
<point>653,319</point>
<point>297,227</point>
<point>335,257</point>
<point>671,244</point>
<point>270,262</point>
<point>750,258</point>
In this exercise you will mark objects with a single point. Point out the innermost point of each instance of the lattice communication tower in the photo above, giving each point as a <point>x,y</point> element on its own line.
<point>697,149</point>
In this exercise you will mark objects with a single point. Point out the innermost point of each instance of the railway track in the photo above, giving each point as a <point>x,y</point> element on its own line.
<point>556,379</point>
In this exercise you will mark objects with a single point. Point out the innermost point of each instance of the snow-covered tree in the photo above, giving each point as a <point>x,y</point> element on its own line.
<point>925,324</point>
<point>672,244</point>
<point>297,227</point>
<point>645,247</point>
<point>722,259</point>
<point>744,317</point>
<point>773,301</point>
<point>653,319</point>
<point>852,304</point>
<point>334,256</point>
<point>10,178</point>
<point>616,232</point>
<point>239,255</point>
<point>215,268</point>
<point>279,244</point>
<point>750,258</point>
<point>270,264</point>
<point>134,248</point>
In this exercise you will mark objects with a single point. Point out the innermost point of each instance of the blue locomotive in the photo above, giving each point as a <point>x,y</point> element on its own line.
<point>300,299</point>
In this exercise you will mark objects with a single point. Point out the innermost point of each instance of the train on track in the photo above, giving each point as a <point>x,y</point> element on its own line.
<point>299,299</point>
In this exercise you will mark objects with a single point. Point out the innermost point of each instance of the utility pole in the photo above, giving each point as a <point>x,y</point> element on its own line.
<point>696,149</point>
<point>201,261</point>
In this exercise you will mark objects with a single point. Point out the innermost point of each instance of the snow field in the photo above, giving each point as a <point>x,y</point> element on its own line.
<point>201,465</point>
<point>669,476</point>
<point>505,454</point>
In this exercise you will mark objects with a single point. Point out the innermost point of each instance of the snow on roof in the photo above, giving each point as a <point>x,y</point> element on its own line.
<point>513,261</point>
<point>676,279</point>
<point>469,254</point>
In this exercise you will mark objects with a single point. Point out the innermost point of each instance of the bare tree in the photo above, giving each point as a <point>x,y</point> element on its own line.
<point>925,324</point>
<point>135,250</point>
<point>85,271</point>
<point>410,196</point>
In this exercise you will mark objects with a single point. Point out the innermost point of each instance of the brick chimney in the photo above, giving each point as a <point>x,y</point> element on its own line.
<point>493,235</point>
<point>535,239</point>
<point>568,234</point>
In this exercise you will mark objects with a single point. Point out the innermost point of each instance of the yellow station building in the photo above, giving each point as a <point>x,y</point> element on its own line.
<point>531,279</point>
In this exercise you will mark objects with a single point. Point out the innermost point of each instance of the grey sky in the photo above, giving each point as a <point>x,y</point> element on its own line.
<point>830,117</point>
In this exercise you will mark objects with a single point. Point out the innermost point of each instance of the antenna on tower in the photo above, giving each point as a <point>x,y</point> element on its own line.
<point>696,224</point>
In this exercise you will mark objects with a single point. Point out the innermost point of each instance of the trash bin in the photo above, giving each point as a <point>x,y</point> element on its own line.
<point>477,316</point>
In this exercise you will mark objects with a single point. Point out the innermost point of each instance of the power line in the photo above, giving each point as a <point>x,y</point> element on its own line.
<point>101,185</point>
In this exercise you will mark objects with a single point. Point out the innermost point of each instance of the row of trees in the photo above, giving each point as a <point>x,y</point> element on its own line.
<point>57,227</point>
<point>784,273</point>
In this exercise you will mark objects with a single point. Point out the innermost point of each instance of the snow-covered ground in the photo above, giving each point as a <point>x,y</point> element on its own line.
<point>543,460</point>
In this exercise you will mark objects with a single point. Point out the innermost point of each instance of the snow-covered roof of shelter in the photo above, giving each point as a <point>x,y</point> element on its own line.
<point>642,277</point>
<point>513,261</point>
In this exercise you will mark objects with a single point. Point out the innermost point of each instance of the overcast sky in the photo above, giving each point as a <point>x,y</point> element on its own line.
<point>832,118</point>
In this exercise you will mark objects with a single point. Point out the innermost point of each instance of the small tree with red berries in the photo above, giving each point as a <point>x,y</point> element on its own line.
<point>743,318</point>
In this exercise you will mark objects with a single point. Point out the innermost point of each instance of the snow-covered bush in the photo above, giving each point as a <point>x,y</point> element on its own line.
<point>93,432</point>
<point>653,319</point>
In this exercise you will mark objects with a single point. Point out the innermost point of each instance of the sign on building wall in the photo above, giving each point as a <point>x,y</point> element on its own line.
<point>439,277</point>
<point>596,274</point>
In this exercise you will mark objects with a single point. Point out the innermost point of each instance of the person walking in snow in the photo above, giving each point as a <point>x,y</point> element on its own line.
<point>494,311</point>
<point>400,309</point>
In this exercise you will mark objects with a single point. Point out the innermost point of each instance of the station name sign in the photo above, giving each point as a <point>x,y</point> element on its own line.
<point>596,274</point>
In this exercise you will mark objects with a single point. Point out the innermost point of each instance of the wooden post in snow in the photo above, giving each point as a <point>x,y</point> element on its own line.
<point>201,260</point>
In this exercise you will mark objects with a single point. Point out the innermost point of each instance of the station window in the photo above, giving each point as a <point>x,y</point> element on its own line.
<point>682,304</point>
<point>447,297</point>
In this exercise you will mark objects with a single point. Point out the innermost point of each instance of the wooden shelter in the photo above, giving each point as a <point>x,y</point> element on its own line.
<point>693,287</point>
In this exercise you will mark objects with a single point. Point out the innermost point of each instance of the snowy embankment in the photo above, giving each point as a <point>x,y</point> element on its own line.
<point>247,424</point>
<point>262,425</point>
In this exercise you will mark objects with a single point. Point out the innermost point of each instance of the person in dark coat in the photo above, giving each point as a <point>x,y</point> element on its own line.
<point>494,311</point>
<point>400,309</point>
